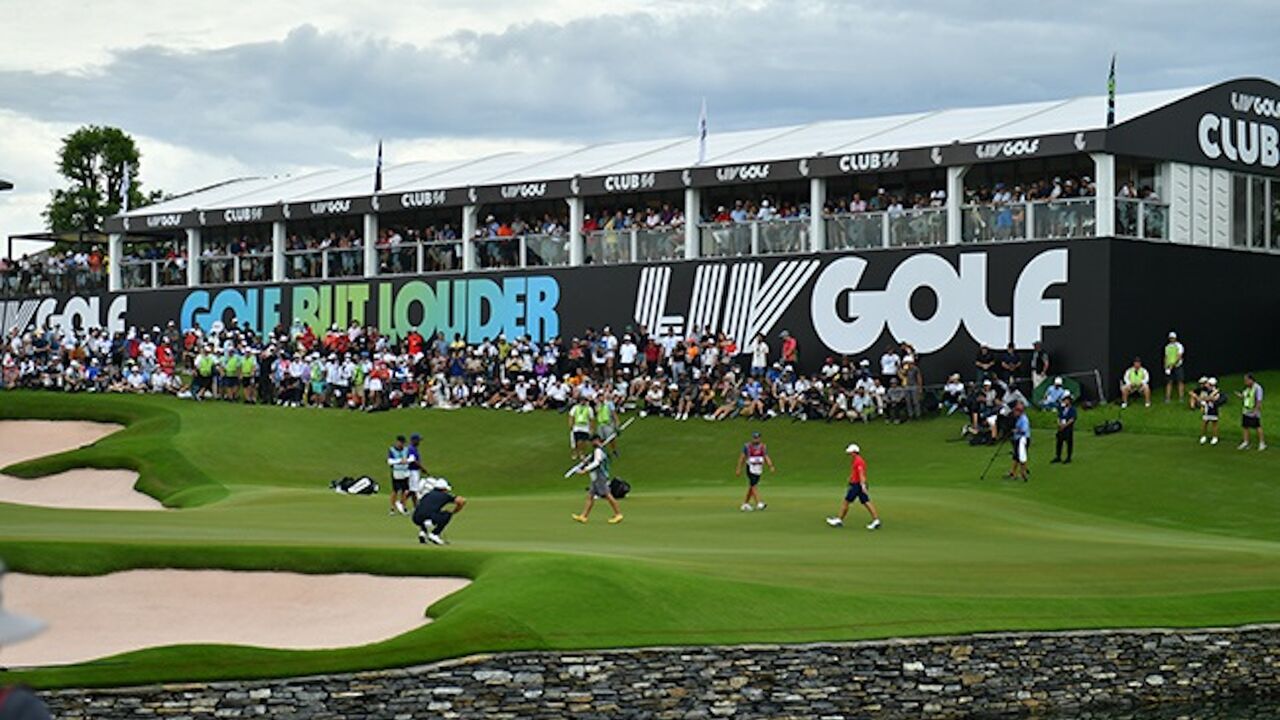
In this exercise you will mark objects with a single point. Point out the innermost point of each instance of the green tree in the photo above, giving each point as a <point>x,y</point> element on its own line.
<point>94,160</point>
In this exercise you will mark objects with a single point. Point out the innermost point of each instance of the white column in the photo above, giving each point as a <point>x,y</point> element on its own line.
<point>692,215</point>
<point>277,251</point>
<point>577,209</point>
<point>193,257</point>
<point>115,253</point>
<point>1104,206</point>
<point>955,201</point>
<point>817,222</point>
<point>470,214</point>
<point>370,245</point>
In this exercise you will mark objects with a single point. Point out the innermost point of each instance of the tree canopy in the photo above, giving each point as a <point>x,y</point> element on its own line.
<point>95,160</point>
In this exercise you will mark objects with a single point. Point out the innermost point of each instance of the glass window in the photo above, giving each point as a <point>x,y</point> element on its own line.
<point>1258,212</point>
<point>1240,210</point>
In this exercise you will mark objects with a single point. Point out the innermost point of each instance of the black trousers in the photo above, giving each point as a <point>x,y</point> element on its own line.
<point>1065,437</point>
<point>439,520</point>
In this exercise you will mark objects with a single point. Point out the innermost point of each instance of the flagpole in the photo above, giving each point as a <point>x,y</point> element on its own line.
<point>377,172</point>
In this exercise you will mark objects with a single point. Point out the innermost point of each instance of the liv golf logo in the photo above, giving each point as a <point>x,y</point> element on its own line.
<point>740,301</point>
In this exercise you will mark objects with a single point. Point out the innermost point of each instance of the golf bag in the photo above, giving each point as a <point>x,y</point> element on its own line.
<point>1108,427</point>
<point>363,485</point>
<point>619,488</point>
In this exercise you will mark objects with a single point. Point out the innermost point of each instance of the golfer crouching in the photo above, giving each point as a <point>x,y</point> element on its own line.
<point>430,516</point>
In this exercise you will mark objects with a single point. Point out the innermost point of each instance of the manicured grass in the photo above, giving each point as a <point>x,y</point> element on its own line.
<point>1145,528</point>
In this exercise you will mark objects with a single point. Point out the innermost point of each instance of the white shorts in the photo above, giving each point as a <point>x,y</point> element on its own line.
<point>1020,450</point>
<point>374,385</point>
<point>415,482</point>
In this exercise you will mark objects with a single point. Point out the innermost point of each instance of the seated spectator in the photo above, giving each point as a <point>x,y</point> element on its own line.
<point>1136,380</point>
<point>1053,395</point>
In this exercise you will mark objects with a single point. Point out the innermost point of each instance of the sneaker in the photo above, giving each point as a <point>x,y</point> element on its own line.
<point>1262,446</point>
<point>615,519</point>
<point>1124,405</point>
<point>835,522</point>
<point>435,539</point>
<point>874,524</point>
<point>761,506</point>
<point>746,507</point>
<point>400,508</point>
<point>1148,403</point>
<point>422,537</point>
<point>1203,439</point>
<point>580,518</point>
<point>1213,441</point>
<point>1055,460</point>
<point>1243,446</point>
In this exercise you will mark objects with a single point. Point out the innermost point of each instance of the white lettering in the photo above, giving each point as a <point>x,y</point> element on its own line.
<point>429,198</point>
<point>241,215</point>
<point>960,299</point>
<point>1245,141</point>
<point>524,190</point>
<point>1266,107</point>
<point>331,207</point>
<point>867,162</point>
<point>1011,148</point>
<point>1209,146</point>
<point>734,173</point>
<point>164,220</point>
<point>630,182</point>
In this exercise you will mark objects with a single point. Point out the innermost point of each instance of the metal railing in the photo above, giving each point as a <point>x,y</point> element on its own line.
<point>917,226</point>
<point>857,231</point>
<point>754,237</point>
<point>323,264</point>
<point>522,251</point>
<point>1066,218</point>
<point>414,258</point>
<point>1142,219</point>
<point>636,244</point>
<point>150,274</point>
<point>37,281</point>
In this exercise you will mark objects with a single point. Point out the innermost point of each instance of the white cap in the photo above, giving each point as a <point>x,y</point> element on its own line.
<point>853,448</point>
<point>1173,335</point>
<point>1057,381</point>
<point>1213,381</point>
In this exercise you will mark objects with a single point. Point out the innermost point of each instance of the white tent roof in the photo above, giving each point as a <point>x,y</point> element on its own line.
<point>940,127</point>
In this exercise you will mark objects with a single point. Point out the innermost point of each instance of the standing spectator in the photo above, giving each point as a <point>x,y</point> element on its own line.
<point>1173,356</point>
<point>1021,443</point>
<point>1251,409</point>
<point>985,362</point>
<point>913,382</point>
<point>1136,380</point>
<point>1039,364</point>
<point>1010,364</point>
<point>1209,399</point>
<point>790,349</point>
<point>889,363</point>
<point>1066,430</point>
<point>759,355</point>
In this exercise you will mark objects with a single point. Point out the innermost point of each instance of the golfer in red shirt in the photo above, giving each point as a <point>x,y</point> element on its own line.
<point>857,491</point>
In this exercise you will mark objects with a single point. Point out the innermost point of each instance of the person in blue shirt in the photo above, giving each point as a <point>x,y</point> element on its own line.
<point>1066,430</point>
<point>1053,395</point>
<point>1021,443</point>
<point>398,459</point>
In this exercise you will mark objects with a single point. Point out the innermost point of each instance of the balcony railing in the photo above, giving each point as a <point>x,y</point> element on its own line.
<point>1147,219</point>
<point>1040,220</point>
<point>917,226</point>
<point>637,244</point>
<point>235,269</point>
<point>323,264</point>
<point>522,251</point>
<point>15,283</point>
<point>150,274</point>
<point>882,229</point>
<point>754,237</point>
<point>415,258</point>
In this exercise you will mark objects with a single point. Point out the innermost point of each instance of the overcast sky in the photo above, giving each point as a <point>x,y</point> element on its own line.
<point>213,90</point>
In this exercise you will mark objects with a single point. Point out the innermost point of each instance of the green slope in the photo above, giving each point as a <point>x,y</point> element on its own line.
<point>1145,528</point>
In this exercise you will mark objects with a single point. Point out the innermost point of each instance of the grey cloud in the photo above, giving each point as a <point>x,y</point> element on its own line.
<point>311,96</point>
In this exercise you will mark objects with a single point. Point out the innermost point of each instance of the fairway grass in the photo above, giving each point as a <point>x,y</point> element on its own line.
<point>1145,528</point>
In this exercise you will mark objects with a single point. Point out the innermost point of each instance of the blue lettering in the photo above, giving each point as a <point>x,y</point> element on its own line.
<point>196,302</point>
<point>484,322</point>
<point>542,296</point>
<point>513,310</point>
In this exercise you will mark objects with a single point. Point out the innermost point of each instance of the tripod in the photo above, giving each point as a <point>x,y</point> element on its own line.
<point>994,455</point>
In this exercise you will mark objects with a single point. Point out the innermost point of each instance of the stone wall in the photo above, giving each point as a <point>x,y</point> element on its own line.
<point>1089,674</point>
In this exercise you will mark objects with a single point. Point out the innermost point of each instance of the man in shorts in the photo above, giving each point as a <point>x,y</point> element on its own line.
<point>398,460</point>
<point>1173,373</point>
<point>755,455</point>
<point>857,490</point>
<point>607,420</point>
<point>1136,381</point>
<point>1209,399</point>
<point>1021,439</point>
<point>580,419</point>
<point>431,517</point>
<point>598,468</point>
<point>1251,409</point>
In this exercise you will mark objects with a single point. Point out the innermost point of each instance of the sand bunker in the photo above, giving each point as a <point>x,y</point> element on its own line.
<point>92,617</point>
<point>85,488</point>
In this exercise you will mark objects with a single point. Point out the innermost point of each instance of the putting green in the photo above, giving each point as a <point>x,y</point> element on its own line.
<point>1145,528</point>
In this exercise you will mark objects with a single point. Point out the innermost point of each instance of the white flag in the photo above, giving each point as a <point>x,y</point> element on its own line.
<point>125,184</point>
<point>702,133</point>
